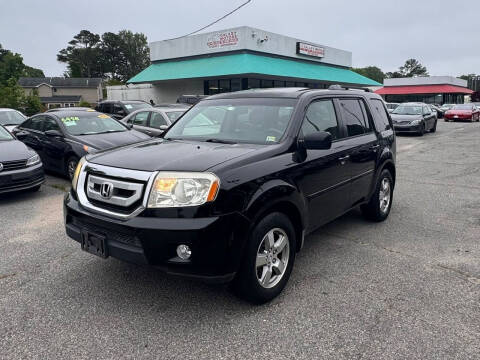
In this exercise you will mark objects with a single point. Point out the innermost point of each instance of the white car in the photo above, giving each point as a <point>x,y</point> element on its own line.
<point>10,118</point>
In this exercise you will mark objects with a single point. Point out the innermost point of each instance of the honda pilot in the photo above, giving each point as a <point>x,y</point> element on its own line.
<point>230,190</point>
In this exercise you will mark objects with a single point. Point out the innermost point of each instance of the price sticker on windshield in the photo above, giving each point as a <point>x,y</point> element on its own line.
<point>70,120</point>
<point>271,138</point>
<point>103,116</point>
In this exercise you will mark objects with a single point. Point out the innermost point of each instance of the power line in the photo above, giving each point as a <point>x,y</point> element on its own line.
<point>216,21</point>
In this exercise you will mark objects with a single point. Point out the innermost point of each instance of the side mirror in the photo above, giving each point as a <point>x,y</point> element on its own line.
<point>129,125</point>
<point>163,127</point>
<point>53,133</point>
<point>20,134</point>
<point>321,140</point>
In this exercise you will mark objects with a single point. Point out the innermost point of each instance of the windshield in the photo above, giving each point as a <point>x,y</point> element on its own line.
<point>90,123</point>
<point>408,110</point>
<point>462,107</point>
<point>5,135</point>
<point>136,106</point>
<point>251,120</point>
<point>174,115</point>
<point>11,118</point>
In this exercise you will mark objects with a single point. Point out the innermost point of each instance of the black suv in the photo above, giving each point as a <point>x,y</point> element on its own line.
<point>233,187</point>
<point>118,109</point>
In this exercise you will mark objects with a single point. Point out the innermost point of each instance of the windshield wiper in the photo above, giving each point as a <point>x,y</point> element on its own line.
<point>220,141</point>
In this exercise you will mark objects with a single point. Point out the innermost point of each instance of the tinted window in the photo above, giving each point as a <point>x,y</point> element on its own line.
<point>141,118</point>
<point>50,124</point>
<point>34,123</point>
<point>321,116</point>
<point>353,117</point>
<point>380,116</point>
<point>106,108</point>
<point>117,109</point>
<point>157,120</point>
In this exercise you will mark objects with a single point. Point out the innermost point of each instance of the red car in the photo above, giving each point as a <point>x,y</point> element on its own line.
<point>463,112</point>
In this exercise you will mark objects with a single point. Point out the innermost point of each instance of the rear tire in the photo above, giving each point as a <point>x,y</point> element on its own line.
<point>378,208</point>
<point>70,166</point>
<point>268,259</point>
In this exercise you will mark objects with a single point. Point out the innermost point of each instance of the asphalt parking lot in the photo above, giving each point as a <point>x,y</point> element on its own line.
<point>405,288</point>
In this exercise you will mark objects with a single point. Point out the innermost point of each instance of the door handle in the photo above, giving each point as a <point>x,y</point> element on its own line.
<point>374,147</point>
<point>343,159</point>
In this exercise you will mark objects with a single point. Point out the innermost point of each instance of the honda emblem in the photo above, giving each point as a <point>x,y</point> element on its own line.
<point>106,190</point>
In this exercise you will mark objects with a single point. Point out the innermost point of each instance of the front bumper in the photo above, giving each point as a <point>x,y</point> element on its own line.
<point>216,242</point>
<point>21,179</point>
<point>408,128</point>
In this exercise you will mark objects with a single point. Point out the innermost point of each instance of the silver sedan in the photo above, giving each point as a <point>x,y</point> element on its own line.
<point>154,121</point>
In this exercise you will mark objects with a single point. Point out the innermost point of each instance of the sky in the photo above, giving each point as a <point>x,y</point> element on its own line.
<point>442,35</point>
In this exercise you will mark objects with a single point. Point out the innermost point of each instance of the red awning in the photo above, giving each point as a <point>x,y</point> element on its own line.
<point>423,89</point>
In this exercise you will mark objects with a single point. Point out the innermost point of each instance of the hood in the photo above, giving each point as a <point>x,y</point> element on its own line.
<point>12,150</point>
<point>110,140</point>
<point>403,118</point>
<point>172,155</point>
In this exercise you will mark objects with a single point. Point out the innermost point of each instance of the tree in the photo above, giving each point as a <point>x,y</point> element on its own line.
<point>82,56</point>
<point>111,56</point>
<point>32,104</point>
<point>371,72</point>
<point>411,68</point>
<point>13,96</point>
<point>12,66</point>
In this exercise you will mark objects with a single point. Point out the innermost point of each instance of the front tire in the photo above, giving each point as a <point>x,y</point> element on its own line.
<point>434,128</point>
<point>70,166</point>
<point>268,259</point>
<point>378,208</point>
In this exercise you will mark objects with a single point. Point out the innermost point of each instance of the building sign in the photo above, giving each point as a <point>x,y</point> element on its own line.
<point>218,40</point>
<point>310,50</point>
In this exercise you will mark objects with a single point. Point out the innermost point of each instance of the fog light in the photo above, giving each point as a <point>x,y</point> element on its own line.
<point>184,252</point>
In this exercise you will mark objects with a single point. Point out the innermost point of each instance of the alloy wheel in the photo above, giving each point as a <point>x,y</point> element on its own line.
<point>272,258</point>
<point>385,195</point>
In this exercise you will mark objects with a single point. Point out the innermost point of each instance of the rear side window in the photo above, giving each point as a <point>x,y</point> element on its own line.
<point>354,117</point>
<point>321,116</point>
<point>106,108</point>
<point>380,116</point>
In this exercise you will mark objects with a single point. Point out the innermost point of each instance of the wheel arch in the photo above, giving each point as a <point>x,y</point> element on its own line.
<point>279,197</point>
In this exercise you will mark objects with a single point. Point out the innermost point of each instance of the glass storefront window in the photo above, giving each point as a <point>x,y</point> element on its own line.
<point>223,86</point>
<point>266,83</point>
<point>278,83</point>
<point>236,84</point>
<point>253,83</point>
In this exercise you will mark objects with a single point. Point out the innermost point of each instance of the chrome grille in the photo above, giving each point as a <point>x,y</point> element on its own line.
<point>120,193</point>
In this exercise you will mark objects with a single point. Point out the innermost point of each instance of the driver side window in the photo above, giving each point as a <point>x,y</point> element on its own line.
<point>321,116</point>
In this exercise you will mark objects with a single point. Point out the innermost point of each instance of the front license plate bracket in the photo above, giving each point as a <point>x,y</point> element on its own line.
<point>95,244</point>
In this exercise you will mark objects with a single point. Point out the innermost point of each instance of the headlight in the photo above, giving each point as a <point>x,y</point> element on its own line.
<point>178,189</point>
<point>77,173</point>
<point>416,122</point>
<point>89,149</point>
<point>34,160</point>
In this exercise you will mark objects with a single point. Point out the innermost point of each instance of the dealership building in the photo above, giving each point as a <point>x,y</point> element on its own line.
<point>237,59</point>
<point>431,90</point>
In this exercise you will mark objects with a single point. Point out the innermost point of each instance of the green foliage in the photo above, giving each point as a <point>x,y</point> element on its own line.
<point>371,72</point>
<point>12,66</point>
<point>13,96</point>
<point>411,68</point>
<point>84,103</point>
<point>31,104</point>
<point>112,56</point>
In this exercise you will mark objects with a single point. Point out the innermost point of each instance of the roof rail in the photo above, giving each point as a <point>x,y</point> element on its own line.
<point>340,87</point>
